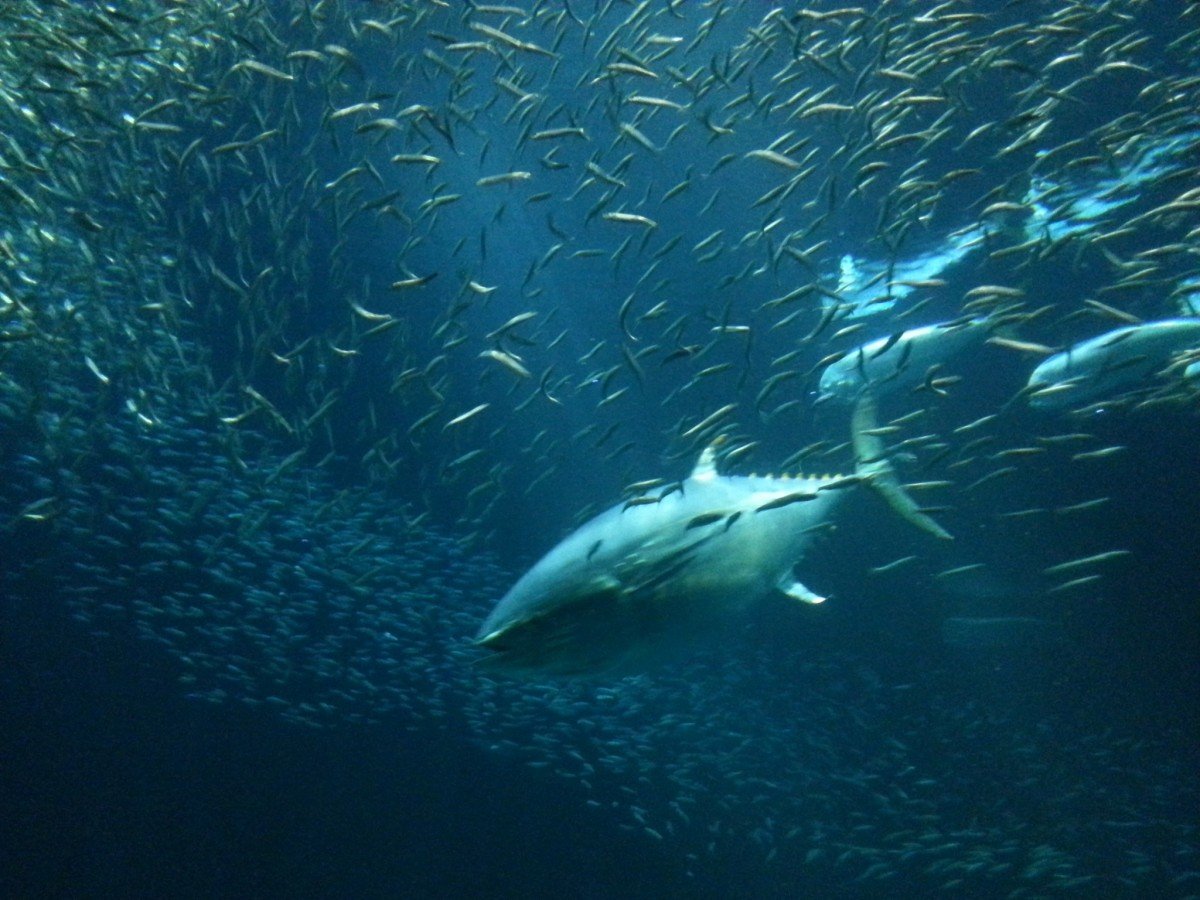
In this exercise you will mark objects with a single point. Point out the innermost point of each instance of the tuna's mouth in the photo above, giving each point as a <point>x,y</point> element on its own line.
<point>590,635</point>
<point>514,652</point>
<point>497,641</point>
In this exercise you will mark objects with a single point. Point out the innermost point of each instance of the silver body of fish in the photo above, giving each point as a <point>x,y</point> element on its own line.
<point>649,577</point>
<point>899,361</point>
<point>1109,363</point>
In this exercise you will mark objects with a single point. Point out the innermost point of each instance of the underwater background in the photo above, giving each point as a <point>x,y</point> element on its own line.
<point>321,322</point>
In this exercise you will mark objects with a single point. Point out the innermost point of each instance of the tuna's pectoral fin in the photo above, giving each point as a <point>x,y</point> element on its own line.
<point>873,465</point>
<point>796,591</point>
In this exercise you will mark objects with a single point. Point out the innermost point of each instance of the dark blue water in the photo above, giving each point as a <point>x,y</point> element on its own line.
<point>235,636</point>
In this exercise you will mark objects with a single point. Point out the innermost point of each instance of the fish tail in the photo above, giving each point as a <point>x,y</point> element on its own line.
<point>873,465</point>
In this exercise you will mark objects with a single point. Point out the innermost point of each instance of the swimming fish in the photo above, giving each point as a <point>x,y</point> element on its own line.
<point>645,579</point>
<point>1109,363</point>
<point>899,361</point>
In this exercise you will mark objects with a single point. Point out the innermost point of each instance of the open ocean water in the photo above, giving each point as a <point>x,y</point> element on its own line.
<point>321,323</point>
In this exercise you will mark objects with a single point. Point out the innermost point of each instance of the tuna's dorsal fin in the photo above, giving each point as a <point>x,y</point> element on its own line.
<point>706,465</point>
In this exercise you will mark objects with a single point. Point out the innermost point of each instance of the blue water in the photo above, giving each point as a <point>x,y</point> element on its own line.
<point>235,650</point>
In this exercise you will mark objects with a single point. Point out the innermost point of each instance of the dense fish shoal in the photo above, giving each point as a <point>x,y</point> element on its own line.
<point>320,322</point>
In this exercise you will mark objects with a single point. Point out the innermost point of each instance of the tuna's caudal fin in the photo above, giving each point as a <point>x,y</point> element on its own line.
<point>873,465</point>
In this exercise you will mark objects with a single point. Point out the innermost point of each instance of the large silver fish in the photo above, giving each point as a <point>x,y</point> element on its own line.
<point>641,581</point>
<point>900,361</point>
<point>1110,363</point>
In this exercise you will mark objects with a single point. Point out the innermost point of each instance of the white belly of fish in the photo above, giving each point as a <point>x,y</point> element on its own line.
<point>642,581</point>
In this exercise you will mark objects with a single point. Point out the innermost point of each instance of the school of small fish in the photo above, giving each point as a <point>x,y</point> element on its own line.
<point>320,321</point>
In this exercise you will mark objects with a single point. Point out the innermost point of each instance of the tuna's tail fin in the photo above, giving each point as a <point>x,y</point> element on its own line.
<point>873,465</point>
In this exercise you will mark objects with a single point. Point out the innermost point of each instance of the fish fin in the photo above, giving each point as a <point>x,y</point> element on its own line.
<point>796,591</point>
<point>706,465</point>
<point>872,463</point>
